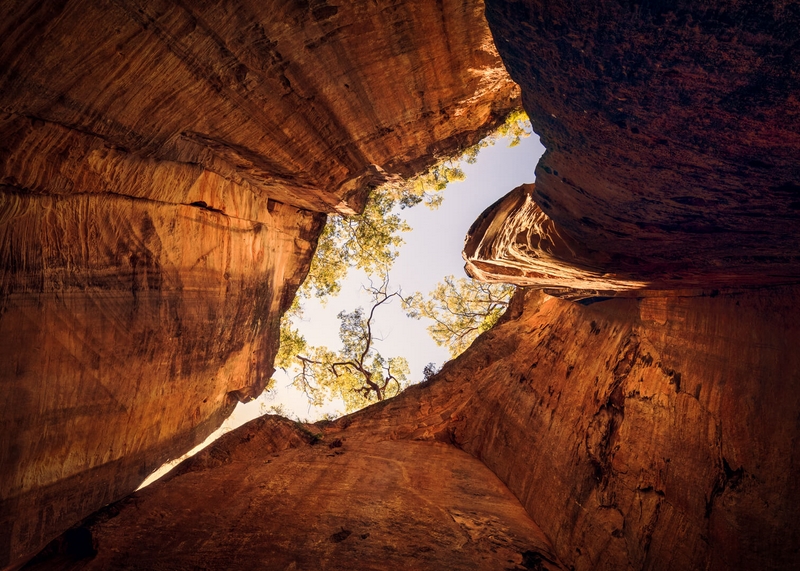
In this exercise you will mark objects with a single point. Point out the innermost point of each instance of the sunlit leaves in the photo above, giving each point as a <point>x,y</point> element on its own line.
<point>357,373</point>
<point>516,127</point>
<point>367,241</point>
<point>461,309</point>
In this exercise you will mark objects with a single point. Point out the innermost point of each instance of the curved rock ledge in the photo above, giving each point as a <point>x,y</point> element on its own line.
<point>672,132</point>
<point>514,241</point>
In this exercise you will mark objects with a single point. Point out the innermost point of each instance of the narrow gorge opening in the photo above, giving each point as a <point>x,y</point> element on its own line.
<point>166,171</point>
<point>429,241</point>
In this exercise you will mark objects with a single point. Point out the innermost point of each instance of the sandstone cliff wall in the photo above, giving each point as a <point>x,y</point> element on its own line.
<point>655,433</point>
<point>165,170</point>
<point>274,497</point>
<point>671,178</point>
<point>672,132</point>
<point>650,434</point>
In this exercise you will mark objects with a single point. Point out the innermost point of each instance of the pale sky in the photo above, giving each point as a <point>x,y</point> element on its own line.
<point>432,250</point>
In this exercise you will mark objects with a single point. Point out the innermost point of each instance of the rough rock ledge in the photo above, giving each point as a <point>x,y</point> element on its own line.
<point>165,171</point>
<point>654,431</point>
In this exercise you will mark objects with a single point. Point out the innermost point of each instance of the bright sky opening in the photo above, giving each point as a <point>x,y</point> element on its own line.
<point>432,250</point>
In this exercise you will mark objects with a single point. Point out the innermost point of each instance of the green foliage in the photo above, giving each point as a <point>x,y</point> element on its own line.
<point>313,437</point>
<point>278,409</point>
<point>460,310</point>
<point>357,372</point>
<point>516,127</point>
<point>426,188</point>
<point>292,343</point>
<point>429,371</point>
<point>370,242</point>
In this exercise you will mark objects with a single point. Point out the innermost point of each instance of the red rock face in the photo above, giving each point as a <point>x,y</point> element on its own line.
<point>165,171</point>
<point>660,431</point>
<point>650,433</point>
<point>263,498</point>
<point>672,132</point>
<point>515,241</point>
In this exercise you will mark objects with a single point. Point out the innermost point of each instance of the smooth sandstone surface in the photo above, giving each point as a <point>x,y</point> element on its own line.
<point>656,431</point>
<point>270,496</point>
<point>165,171</point>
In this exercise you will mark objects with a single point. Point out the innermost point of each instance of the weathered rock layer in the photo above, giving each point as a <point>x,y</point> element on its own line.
<point>672,132</point>
<point>638,434</point>
<point>165,170</point>
<point>271,500</point>
<point>157,227</point>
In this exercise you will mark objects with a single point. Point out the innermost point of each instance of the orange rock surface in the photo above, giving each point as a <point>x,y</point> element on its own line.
<point>262,497</point>
<point>652,433</point>
<point>165,171</point>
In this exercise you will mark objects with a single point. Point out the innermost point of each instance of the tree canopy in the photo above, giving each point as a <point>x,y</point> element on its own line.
<point>460,309</point>
<point>357,373</point>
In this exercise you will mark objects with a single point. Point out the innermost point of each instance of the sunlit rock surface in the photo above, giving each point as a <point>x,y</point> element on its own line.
<point>271,496</point>
<point>655,433</point>
<point>156,227</point>
<point>514,241</point>
<point>652,433</point>
<point>165,170</point>
<point>672,132</point>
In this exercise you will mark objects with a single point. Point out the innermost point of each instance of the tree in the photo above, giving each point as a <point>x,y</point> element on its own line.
<point>367,241</point>
<point>370,242</point>
<point>460,310</point>
<point>357,373</point>
<point>516,127</point>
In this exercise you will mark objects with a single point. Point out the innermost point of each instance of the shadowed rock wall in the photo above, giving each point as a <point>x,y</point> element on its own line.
<point>165,171</point>
<point>672,131</point>
<point>661,429</point>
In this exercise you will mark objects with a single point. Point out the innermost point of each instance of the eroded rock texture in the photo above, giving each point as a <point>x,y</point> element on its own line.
<point>652,433</point>
<point>672,132</point>
<point>165,170</point>
<point>515,241</point>
<point>157,228</point>
<point>662,428</point>
<point>271,500</point>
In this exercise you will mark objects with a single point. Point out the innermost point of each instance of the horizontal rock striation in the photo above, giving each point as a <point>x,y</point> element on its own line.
<point>656,433</point>
<point>165,171</point>
<point>659,428</point>
<point>163,187</point>
<point>653,433</point>
<point>672,132</point>
<point>302,103</point>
